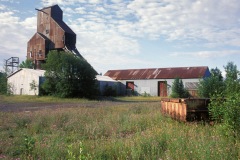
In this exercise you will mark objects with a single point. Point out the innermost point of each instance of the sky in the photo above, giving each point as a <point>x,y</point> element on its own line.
<point>133,34</point>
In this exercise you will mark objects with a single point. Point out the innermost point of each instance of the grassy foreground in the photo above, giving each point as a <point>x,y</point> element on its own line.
<point>128,131</point>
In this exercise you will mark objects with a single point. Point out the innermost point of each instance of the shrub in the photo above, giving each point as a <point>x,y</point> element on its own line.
<point>227,112</point>
<point>109,91</point>
<point>69,76</point>
<point>225,106</point>
<point>178,90</point>
<point>211,85</point>
<point>3,83</point>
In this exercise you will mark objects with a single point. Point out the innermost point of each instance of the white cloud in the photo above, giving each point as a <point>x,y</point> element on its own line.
<point>2,7</point>
<point>207,54</point>
<point>14,34</point>
<point>109,30</point>
<point>211,21</point>
<point>68,2</point>
<point>8,18</point>
<point>105,28</point>
<point>30,23</point>
<point>10,1</point>
<point>104,48</point>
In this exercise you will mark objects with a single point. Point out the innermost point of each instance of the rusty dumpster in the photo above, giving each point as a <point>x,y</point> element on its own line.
<point>186,109</point>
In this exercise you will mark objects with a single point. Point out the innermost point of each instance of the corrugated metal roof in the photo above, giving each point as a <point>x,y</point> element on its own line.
<point>159,73</point>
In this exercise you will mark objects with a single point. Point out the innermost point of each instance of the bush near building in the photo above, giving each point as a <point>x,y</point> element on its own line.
<point>68,75</point>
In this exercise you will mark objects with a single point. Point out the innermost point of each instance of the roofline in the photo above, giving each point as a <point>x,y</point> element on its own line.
<point>62,28</point>
<point>41,35</point>
<point>156,78</point>
<point>14,73</point>
<point>157,68</point>
<point>50,7</point>
<point>23,69</point>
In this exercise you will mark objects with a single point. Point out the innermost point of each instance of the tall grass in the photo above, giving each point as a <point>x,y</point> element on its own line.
<point>127,131</point>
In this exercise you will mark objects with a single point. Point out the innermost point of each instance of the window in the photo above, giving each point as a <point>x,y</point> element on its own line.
<point>40,53</point>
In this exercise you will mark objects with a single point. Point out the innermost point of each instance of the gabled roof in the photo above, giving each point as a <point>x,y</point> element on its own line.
<point>55,5</point>
<point>159,73</point>
<point>58,19</point>
<point>41,35</point>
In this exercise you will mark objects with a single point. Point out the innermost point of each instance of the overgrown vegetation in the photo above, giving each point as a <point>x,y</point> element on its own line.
<point>5,88</point>
<point>68,76</point>
<point>109,91</point>
<point>225,104</point>
<point>211,85</point>
<point>126,131</point>
<point>33,86</point>
<point>178,90</point>
<point>27,64</point>
<point>3,83</point>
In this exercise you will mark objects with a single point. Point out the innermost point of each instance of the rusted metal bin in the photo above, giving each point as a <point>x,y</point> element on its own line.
<point>186,109</point>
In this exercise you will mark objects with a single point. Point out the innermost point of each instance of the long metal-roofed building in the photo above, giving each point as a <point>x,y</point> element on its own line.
<point>158,81</point>
<point>52,34</point>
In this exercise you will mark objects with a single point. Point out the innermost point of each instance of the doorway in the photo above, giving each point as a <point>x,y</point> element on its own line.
<point>162,88</point>
<point>130,88</point>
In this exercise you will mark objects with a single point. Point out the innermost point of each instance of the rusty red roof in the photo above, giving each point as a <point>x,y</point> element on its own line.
<point>159,73</point>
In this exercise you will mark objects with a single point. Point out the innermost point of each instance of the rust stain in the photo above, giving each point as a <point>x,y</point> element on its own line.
<point>159,73</point>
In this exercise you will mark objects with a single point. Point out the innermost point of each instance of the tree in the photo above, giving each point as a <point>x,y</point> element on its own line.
<point>33,86</point>
<point>69,76</point>
<point>109,91</point>
<point>178,90</point>
<point>5,88</point>
<point>3,83</point>
<point>211,85</point>
<point>27,64</point>
<point>225,105</point>
<point>232,82</point>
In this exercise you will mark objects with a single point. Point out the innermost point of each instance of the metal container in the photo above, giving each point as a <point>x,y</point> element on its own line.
<point>186,109</point>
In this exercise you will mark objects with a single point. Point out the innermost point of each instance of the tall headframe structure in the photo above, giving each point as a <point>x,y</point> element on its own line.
<point>52,34</point>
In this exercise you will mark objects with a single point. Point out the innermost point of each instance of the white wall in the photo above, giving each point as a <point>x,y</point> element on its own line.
<point>20,81</point>
<point>150,86</point>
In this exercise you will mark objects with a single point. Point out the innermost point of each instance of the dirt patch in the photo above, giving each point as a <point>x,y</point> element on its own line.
<point>31,106</point>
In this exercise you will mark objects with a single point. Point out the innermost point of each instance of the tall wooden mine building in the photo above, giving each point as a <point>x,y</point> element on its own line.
<point>52,34</point>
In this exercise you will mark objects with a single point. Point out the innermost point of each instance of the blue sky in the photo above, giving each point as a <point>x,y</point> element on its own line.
<point>128,34</point>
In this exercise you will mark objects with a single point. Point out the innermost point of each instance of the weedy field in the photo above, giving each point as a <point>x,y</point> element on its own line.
<point>113,130</point>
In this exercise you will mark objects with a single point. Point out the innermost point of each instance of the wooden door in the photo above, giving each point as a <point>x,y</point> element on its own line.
<point>162,88</point>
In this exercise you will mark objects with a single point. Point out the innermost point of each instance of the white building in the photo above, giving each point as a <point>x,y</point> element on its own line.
<point>158,81</point>
<point>20,81</point>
